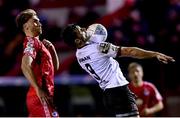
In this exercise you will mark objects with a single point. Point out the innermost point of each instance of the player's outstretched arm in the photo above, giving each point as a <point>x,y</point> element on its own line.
<point>142,54</point>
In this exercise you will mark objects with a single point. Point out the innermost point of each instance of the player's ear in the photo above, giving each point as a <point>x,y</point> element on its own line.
<point>77,41</point>
<point>25,26</point>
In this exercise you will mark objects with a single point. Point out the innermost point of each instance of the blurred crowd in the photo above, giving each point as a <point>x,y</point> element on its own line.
<point>149,24</point>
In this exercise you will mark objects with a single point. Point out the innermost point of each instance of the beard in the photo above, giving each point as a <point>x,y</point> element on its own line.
<point>37,31</point>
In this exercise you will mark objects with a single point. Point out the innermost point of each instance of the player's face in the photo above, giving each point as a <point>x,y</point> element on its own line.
<point>34,26</point>
<point>136,74</point>
<point>81,33</point>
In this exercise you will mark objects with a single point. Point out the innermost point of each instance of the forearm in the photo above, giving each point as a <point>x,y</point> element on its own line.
<point>137,52</point>
<point>156,108</point>
<point>55,58</point>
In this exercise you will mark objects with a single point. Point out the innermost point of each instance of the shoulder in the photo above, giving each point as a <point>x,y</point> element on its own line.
<point>30,40</point>
<point>149,85</point>
<point>90,49</point>
<point>130,85</point>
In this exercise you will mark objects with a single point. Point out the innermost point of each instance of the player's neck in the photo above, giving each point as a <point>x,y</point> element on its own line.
<point>138,84</point>
<point>30,34</point>
<point>81,45</point>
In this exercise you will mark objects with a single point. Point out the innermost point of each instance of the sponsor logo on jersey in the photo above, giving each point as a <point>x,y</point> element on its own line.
<point>54,114</point>
<point>146,92</point>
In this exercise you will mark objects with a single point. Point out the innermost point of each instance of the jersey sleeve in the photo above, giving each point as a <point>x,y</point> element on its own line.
<point>109,49</point>
<point>30,48</point>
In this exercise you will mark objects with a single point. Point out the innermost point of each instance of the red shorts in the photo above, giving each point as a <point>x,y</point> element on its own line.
<point>37,109</point>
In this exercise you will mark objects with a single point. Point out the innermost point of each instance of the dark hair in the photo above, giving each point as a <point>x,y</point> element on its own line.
<point>69,35</point>
<point>23,17</point>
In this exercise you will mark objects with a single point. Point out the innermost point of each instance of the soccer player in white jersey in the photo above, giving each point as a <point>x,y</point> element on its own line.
<point>96,58</point>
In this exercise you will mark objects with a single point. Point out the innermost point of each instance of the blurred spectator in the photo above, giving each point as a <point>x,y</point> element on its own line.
<point>10,54</point>
<point>90,17</point>
<point>136,29</point>
<point>149,100</point>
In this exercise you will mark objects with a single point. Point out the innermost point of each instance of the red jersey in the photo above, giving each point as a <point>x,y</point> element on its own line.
<point>147,95</point>
<point>42,64</point>
<point>43,69</point>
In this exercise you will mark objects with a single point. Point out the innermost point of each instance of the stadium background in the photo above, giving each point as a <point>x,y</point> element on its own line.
<point>149,24</point>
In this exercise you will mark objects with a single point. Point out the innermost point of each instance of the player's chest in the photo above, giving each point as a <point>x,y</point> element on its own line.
<point>143,93</point>
<point>44,54</point>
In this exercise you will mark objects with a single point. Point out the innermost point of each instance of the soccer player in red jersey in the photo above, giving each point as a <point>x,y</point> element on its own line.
<point>38,64</point>
<point>149,100</point>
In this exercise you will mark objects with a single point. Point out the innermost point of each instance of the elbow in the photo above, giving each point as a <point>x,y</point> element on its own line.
<point>161,105</point>
<point>22,67</point>
<point>57,65</point>
<point>25,67</point>
<point>57,68</point>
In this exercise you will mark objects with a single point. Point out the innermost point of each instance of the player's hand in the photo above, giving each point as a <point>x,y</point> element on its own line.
<point>43,97</point>
<point>164,58</point>
<point>146,112</point>
<point>47,44</point>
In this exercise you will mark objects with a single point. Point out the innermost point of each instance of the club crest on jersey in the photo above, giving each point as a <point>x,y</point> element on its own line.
<point>146,92</point>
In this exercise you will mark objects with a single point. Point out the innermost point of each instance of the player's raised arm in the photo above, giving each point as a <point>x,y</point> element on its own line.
<point>135,52</point>
<point>142,54</point>
<point>53,52</point>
